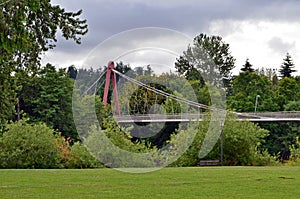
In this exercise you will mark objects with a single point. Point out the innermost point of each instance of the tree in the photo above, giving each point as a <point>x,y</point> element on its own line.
<point>72,71</point>
<point>288,90</point>
<point>139,70</point>
<point>188,70</point>
<point>149,70</point>
<point>134,99</point>
<point>48,99</point>
<point>271,74</point>
<point>292,106</point>
<point>246,86</point>
<point>247,66</point>
<point>287,67</point>
<point>281,136</point>
<point>28,28</point>
<point>7,95</point>
<point>209,58</point>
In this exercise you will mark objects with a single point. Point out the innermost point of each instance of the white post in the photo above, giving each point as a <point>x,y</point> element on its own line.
<point>256,102</point>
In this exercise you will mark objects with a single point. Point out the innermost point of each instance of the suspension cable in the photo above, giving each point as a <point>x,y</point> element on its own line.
<point>101,75</point>
<point>172,96</point>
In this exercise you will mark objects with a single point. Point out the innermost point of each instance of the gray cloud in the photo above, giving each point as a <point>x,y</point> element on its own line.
<point>106,18</point>
<point>280,46</point>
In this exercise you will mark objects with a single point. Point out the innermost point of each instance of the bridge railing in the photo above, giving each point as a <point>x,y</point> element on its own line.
<point>255,117</point>
<point>281,114</point>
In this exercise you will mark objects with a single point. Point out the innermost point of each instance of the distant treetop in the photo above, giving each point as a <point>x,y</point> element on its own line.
<point>287,67</point>
<point>247,66</point>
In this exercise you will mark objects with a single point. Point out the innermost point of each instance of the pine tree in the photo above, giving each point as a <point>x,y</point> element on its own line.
<point>247,66</point>
<point>287,67</point>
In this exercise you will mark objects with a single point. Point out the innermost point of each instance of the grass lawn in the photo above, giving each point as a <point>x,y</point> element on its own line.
<point>200,182</point>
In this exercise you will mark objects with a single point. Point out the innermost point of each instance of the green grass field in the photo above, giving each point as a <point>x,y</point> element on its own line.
<point>200,182</point>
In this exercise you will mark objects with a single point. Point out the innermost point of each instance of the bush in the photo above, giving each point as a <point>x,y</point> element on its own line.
<point>80,157</point>
<point>242,144</point>
<point>292,106</point>
<point>294,159</point>
<point>114,147</point>
<point>26,145</point>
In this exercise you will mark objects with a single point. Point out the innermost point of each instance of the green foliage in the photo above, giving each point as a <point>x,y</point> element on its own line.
<point>288,90</point>
<point>27,29</point>
<point>80,158</point>
<point>292,106</point>
<point>32,27</point>
<point>274,96</point>
<point>7,95</point>
<point>198,57</point>
<point>295,150</point>
<point>207,60</point>
<point>137,100</point>
<point>281,136</point>
<point>48,98</point>
<point>88,110</point>
<point>246,86</point>
<point>26,145</point>
<point>294,159</point>
<point>242,144</point>
<point>191,155</point>
<point>110,145</point>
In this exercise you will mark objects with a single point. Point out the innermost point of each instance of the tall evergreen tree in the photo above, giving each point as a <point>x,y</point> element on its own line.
<point>287,67</point>
<point>72,72</point>
<point>247,66</point>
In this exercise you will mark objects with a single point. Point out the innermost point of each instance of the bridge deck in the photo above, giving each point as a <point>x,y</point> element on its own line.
<point>253,117</point>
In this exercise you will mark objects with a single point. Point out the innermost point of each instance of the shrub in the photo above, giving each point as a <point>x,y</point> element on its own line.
<point>80,157</point>
<point>242,144</point>
<point>294,159</point>
<point>26,145</point>
<point>114,147</point>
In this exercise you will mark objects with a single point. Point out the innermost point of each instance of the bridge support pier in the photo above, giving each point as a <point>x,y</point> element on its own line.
<point>111,75</point>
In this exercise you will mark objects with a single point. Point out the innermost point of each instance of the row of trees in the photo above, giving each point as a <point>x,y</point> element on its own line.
<point>286,69</point>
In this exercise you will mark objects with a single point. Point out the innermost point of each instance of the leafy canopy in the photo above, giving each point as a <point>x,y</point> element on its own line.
<point>27,29</point>
<point>209,56</point>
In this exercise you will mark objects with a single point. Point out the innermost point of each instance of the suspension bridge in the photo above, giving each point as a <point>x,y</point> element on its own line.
<point>133,114</point>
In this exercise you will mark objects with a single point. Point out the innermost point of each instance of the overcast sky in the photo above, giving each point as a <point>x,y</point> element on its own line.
<point>261,30</point>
